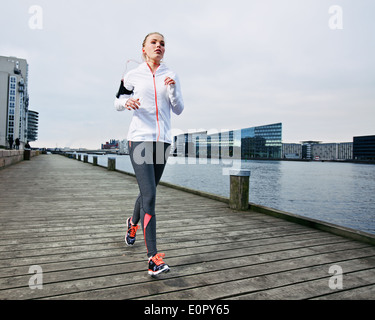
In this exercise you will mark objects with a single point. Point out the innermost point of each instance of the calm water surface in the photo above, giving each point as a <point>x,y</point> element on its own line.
<point>340,193</point>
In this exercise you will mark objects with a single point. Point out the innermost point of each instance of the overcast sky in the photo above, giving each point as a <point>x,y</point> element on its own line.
<point>241,64</point>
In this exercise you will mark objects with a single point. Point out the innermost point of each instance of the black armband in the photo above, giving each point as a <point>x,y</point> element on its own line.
<point>122,90</point>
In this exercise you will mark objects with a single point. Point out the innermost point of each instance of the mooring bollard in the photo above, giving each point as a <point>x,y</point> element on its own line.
<point>95,160</point>
<point>111,164</point>
<point>26,154</point>
<point>239,189</point>
<point>79,157</point>
<point>85,158</point>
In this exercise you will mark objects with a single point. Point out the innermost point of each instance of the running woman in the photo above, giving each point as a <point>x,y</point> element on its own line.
<point>151,91</point>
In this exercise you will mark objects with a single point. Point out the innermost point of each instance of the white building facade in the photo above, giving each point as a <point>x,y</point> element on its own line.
<point>14,101</point>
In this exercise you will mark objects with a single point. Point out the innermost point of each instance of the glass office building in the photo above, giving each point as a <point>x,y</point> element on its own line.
<point>263,142</point>
<point>364,148</point>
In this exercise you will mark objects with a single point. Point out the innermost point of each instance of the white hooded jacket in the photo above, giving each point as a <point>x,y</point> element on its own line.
<point>152,121</point>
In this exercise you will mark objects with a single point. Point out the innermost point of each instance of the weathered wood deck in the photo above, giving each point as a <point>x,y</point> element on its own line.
<point>68,217</point>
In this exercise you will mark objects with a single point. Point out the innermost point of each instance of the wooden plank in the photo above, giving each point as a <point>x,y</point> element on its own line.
<point>366,292</point>
<point>197,250</point>
<point>207,245</point>
<point>308,289</point>
<point>71,222</point>
<point>207,282</point>
<point>165,237</point>
<point>192,270</point>
<point>281,274</point>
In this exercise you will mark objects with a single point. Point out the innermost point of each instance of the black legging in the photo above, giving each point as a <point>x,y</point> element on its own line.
<point>148,160</point>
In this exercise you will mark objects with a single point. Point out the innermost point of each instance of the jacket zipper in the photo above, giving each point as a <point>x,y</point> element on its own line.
<point>156,104</point>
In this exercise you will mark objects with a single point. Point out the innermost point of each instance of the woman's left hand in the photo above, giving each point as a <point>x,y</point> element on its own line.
<point>169,81</point>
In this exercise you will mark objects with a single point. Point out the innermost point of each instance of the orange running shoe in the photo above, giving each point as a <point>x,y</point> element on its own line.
<point>130,235</point>
<point>156,265</point>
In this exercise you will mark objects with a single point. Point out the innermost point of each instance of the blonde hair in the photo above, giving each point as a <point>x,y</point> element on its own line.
<point>144,42</point>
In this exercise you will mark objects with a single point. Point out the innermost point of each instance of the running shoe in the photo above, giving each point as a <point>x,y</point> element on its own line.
<point>156,265</point>
<point>130,235</point>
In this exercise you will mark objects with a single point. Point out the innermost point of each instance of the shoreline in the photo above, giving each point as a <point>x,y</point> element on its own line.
<point>113,153</point>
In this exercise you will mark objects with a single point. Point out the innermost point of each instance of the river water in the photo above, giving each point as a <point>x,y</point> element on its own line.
<point>339,193</point>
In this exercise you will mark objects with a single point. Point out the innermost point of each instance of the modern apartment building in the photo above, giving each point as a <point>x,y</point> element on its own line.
<point>325,151</point>
<point>315,150</point>
<point>32,125</point>
<point>14,101</point>
<point>292,151</point>
<point>345,151</point>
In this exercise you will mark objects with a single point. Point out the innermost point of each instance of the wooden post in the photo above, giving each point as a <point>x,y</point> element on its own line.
<point>111,164</point>
<point>95,160</point>
<point>239,189</point>
<point>79,157</point>
<point>85,158</point>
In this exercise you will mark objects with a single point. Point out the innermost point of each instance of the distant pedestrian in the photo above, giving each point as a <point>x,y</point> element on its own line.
<point>10,140</point>
<point>151,91</point>
<point>17,144</point>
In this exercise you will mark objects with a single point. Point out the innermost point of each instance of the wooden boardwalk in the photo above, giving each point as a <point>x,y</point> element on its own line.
<point>68,217</point>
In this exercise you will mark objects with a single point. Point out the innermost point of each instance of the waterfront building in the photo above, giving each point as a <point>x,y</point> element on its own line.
<point>123,147</point>
<point>224,144</point>
<point>14,100</point>
<point>364,148</point>
<point>262,142</point>
<point>345,151</point>
<point>315,150</point>
<point>32,125</point>
<point>307,149</point>
<point>333,151</point>
<point>112,144</point>
<point>325,151</point>
<point>292,151</point>
<point>193,144</point>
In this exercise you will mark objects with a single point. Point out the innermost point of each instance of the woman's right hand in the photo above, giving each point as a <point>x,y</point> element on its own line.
<point>132,104</point>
